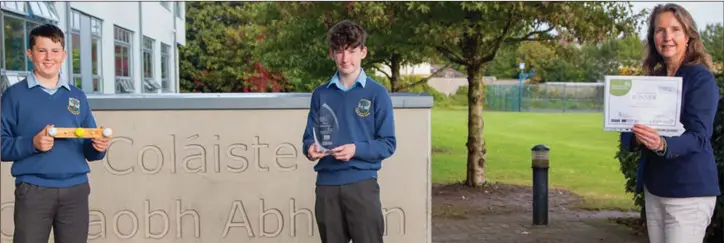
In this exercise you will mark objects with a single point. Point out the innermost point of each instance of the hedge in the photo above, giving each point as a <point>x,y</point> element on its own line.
<point>629,162</point>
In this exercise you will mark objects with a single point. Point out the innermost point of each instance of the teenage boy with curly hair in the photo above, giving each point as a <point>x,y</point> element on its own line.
<point>348,203</point>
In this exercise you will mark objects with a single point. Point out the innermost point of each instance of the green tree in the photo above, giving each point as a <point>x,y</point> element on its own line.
<point>295,40</point>
<point>565,62</point>
<point>630,50</point>
<point>217,56</point>
<point>565,65</point>
<point>504,65</point>
<point>472,33</point>
<point>537,56</point>
<point>606,57</point>
<point>713,38</point>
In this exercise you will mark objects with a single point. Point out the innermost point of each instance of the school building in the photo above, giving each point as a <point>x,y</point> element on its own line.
<point>113,47</point>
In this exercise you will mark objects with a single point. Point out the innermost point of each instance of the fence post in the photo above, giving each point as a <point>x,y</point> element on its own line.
<point>520,86</point>
<point>564,97</point>
<point>540,164</point>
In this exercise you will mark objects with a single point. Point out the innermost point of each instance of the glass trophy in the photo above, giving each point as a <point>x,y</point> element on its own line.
<point>326,129</point>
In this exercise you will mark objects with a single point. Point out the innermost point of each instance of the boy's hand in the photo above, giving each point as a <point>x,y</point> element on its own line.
<point>344,152</point>
<point>42,141</point>
<point>314,153</point>
<point>100,144</point>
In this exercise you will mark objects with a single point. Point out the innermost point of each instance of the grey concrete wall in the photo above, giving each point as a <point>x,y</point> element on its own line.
<point>229,168</point>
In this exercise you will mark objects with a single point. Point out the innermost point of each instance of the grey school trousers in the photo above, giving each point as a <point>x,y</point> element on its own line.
<point>37,209</point>
<point>350,212</point>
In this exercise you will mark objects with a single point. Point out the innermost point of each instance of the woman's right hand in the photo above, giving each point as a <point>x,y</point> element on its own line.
<point>648,136</point>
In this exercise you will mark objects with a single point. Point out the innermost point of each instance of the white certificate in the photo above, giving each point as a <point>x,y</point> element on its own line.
<point>649,100</point>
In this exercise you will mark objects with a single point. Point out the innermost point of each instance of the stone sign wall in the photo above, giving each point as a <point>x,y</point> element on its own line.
<point>225,171</point>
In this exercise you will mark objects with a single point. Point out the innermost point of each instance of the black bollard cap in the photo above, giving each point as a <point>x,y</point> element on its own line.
<point>540,147</point>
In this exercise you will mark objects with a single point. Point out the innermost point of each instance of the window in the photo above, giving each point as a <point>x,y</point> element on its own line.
<point>96,27</point>
<point>75,54</point>
<point>85,49</point>
<point>29,26</point>
<point>149,84</point>
<point>17,7</point>
<point>165,62</point>
<point>18,19</point>
<point>15,44</point>
<point>122,47</point>
<point>44,10</point>
<point>178,9</point>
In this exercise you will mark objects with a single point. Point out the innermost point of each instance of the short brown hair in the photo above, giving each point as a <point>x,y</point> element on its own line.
<point>49,31</point>
<point>346,34</point>
<point>695,51</point>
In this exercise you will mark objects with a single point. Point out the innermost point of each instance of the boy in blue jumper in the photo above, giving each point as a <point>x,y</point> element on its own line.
<point>348,203</point>
<point>52,187</point>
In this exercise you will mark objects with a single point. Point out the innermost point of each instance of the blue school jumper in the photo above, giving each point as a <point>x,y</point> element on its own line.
<point>366,119</point>
<point>27,107</point>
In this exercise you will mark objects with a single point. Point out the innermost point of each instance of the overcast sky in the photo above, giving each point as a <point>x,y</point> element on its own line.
<point>703,12</point>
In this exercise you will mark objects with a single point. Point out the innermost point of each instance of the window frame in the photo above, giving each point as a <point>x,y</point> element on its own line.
<point>165,55</point>
<point>166,5</point>
<point>27,69</point>
<point>22,11</point>
<point>96,35</point>
<point>148,48</point>
<point>178,8</point>
<point>127,43</point>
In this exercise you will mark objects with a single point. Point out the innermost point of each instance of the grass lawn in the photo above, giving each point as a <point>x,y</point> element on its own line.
<point>582,154</point>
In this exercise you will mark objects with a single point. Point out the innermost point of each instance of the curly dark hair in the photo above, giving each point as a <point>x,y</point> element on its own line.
<point>49,31</point>
<point>346,34</point>
<point>695,51</point>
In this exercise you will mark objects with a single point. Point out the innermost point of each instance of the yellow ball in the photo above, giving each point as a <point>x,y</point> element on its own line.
<point>79,132</point>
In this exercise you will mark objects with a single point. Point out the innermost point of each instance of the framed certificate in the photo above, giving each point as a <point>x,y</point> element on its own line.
<point>654,101</point>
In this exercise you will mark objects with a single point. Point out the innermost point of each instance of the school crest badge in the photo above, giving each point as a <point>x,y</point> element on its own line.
<point>363,107</point>
<point>74,106</point>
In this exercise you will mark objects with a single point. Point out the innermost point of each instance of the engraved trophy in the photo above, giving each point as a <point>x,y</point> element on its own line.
<point>326,129</point>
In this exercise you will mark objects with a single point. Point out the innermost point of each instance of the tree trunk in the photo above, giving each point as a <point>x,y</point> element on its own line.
<point>395,73</point>
<point>476,142</point>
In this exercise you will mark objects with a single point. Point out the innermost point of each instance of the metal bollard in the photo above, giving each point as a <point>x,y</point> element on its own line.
<point>540,166</point>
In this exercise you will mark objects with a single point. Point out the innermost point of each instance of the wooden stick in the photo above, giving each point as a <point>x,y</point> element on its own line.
<point>68,132</point>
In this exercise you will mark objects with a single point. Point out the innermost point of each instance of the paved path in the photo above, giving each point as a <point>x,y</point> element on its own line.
<point>502,213</point>
<point>518,228</point>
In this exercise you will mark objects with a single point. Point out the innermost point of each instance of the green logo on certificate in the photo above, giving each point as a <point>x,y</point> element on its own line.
<point>620,87</point>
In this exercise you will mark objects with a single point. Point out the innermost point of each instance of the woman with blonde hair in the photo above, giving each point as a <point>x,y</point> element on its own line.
<point>678,174</point>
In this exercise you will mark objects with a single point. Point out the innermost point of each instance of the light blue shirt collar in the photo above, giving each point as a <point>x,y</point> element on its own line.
<point>33,81</point>
<point>361,80</point>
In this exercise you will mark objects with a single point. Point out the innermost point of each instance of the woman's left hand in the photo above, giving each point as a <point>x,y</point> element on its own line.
<point>648,136</point>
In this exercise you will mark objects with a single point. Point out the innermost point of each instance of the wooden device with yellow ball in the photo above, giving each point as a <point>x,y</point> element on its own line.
<point>68,132</point>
